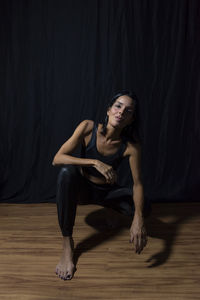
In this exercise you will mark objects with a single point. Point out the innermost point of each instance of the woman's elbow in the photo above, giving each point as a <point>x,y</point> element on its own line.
<point>55,161</point>
<point>138,184</point>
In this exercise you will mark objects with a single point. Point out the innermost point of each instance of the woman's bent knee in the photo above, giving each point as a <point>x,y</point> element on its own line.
<point>68,172</point>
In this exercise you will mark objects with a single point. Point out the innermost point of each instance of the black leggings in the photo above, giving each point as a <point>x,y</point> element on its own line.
<point>73,188</point>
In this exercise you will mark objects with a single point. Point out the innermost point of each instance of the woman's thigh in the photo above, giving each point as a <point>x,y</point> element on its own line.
<point>115,197</point>
<point>119,199</point>
<point>123,204</point>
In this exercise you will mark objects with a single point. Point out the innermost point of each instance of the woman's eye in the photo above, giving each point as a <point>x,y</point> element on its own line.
<point>117,105</point>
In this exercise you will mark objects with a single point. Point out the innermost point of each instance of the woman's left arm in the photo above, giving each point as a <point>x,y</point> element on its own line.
<point>138,233</point>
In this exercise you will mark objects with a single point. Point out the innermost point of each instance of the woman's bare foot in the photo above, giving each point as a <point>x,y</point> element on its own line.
<point>65,268</point>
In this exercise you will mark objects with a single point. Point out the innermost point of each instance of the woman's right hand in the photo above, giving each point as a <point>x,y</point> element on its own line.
<point>107,171</point>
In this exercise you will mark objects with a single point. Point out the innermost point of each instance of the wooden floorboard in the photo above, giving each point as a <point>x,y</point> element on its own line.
<point>107,267</point>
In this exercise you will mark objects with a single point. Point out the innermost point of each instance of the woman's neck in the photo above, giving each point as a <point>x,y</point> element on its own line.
<point>112,133</point>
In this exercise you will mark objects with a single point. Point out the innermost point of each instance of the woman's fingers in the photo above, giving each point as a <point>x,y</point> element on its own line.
<point>136,243</point>
<point>107,171</point>
<point>144,241</point>
<point>139,242</point>
<point>110,176</point>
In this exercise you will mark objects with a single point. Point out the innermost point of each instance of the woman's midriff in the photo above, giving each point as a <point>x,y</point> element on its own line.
<point>93,179</point>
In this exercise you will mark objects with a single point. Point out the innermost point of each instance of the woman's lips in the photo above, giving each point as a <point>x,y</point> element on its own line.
<point>119,119</point>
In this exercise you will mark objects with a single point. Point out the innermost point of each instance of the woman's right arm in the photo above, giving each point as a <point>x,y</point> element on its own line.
<point>63,156</point>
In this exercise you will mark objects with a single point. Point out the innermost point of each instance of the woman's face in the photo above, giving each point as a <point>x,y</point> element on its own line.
<point>120,114</point>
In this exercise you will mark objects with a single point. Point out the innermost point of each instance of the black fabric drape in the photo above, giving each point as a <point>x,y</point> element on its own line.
<point>60,63</point>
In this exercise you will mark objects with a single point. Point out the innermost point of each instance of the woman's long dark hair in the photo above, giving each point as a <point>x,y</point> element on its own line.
<point>130,132</point>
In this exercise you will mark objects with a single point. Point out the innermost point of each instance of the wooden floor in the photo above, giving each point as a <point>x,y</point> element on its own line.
<point>107,267</point>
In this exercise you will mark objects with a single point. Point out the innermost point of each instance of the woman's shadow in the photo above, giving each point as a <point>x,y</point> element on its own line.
<point>166,231</point>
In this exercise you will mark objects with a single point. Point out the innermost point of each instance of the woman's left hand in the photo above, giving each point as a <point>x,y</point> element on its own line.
<point>138,234</point>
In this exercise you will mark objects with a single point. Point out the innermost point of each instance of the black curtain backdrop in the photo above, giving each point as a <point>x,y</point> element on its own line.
<point>60,63</point>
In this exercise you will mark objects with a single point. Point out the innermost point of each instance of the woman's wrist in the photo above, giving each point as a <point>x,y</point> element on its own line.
<point>138,214</point>
<point>94,162</point>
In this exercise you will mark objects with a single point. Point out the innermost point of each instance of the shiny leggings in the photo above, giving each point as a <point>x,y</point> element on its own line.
<point>73,188</point>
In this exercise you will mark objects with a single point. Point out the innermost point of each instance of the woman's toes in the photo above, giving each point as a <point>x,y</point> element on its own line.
<point>69,277</point>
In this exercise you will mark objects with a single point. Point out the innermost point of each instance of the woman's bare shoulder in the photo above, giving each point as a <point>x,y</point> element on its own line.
<point>132,149</point>
<point>84,128</point>
<point>87,126</point>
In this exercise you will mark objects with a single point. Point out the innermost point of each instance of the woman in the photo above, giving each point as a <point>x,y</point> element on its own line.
<point>95,174</point>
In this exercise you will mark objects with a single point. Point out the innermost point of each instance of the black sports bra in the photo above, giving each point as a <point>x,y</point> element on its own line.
<point>91,152</point>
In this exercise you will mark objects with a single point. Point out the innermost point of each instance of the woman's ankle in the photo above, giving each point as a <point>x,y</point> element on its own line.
<point>68,242</point>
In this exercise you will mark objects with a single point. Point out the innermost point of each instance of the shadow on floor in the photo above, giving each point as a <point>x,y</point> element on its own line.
<point>166,231</point>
